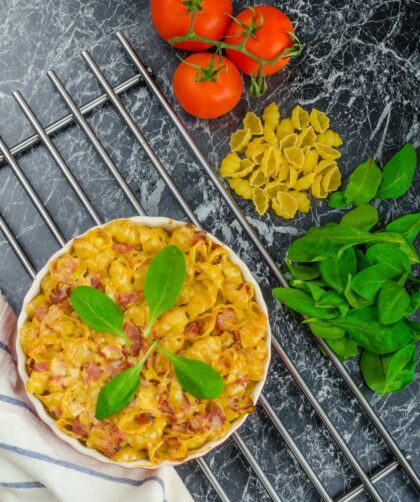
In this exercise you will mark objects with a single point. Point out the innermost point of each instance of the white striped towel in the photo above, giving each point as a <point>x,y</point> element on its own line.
<point>36,466</point>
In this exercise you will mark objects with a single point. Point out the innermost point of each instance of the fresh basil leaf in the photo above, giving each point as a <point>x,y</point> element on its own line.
<point>400,368</point>
<point>363,326</point>
<point>332,300</point>
<point>164,280</point>
<point>323,330</point>
<point>372,371</point>
<point>363,183</point>
<point>118,393</point>
<point>338,200</point>
<point>355,301</point>
<point>301,302</point>
<point>369,281</point>
<point>414,328</point>
<point>196,377</point>
<point>334,271</point>
<point>408,226</point>
<point>302,272</point>
<point>98,311</point>
<point>393,301</point>
<point>327,242</point>
<point>364,217</point>
<point>390,256</point>
<point>344,347</point>
<point>398,173</point>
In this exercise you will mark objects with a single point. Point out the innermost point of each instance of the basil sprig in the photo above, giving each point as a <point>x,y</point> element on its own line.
<point>164,280</point>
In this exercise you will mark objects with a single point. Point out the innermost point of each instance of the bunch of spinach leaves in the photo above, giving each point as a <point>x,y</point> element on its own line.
<point>354,282</point>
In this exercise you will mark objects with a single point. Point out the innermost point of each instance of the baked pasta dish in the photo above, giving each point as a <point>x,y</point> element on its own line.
<point>216,320</point>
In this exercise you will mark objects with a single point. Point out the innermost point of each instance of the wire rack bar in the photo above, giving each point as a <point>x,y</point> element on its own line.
<point>67,120</point>
<point>270,261</point>
<point>14,244</point>
<point>276,344</point>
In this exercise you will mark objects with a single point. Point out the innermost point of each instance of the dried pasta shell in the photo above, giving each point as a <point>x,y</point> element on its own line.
<point>230,164</point>
<point>246,167</point>
<point>284,128</point>
<point>285,205</point>
<point>305,182</point>
<point>300,118</point>
<point>255,149</point>
<point>294,157</point>
<point>239,140</point>
<point>270,136</point>
<point>269,163</point>
<point>323,165</point>
<point>306,138</point>
<point>258,178</point>
<point>274,187</point>
<point>288,141</point>
<point>317,190</point>
<point>293,176</point>
<point>329,138</point>
<point>261,200</point>
<point>302,200</point>
<point>327,152</point>
<point>271,116</point>
<point>311,161</point>
<point>331,179</point>
<point>241,187</point>
<point>253,123</point>
<point>283,171</point>
<point>319,121</point>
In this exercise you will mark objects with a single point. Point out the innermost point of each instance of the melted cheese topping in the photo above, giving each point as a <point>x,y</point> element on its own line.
<point>216,320</point>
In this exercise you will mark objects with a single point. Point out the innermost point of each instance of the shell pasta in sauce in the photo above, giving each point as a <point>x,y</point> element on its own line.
<point>216,320</point>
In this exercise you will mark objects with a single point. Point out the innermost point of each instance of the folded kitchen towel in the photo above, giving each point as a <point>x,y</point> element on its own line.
<point>37,466</point>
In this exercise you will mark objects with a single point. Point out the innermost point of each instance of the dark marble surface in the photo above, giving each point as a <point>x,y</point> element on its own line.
<point>360,65</point>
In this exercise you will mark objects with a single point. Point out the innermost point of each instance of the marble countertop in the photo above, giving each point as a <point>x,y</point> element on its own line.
<point>360,65</point>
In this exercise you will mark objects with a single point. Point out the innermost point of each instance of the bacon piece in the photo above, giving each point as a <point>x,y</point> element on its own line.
<point>122,248</point>
<point>41,312</point>
<point>216,416</point>
<point>67,267</point>
<point>92,371</point>
<point>224,319</point>
<point>118,366</point>
<point>144,419</point>
<point>124,299</point>
<point>111,439</point>
<point>194,328</point>
<point>44,366</point>
<point>163,404</point>
<point>199,236</point>
<point>60,292</point>
<point>78,428</point>
<point>95,282</point>
<point>133,334</point>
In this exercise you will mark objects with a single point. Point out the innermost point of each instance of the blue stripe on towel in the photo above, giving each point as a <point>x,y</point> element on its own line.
<point>85,470</point>
<point>22,485</point>
<point>4,347</point>
<point>15,402</point>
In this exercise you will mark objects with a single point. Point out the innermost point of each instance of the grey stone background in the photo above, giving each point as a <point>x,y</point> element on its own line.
<point>360,65</point>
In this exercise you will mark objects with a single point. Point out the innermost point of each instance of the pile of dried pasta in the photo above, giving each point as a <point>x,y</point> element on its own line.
<point>283,160</point>
<point>216,320</point>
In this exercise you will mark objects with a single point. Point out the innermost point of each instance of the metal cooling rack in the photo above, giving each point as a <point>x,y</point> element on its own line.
<point>42,135</point>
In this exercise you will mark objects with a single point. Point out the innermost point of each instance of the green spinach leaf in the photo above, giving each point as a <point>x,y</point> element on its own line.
<point>400,368</point>
<point>326,331</point>
<point>301,302</point>
<point>344,347</point>
<point>331,300</point>
<point>98,311</point>
<point>390,256</point>
<point>408,226</point>
<point>414,328</point>
<point>334,271</point>
<point>355,301</point>
<point>364,217</point>
<point>393,301</point>
<point>398,173</point>
<point>363,183</point>
<point>369,281</point>
<point>196,377</point>
<point>338,200</point>
<point>302,272</point>
<point>372,371</point>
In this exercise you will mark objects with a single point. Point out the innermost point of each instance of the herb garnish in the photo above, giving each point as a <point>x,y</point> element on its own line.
<point>164,280</point>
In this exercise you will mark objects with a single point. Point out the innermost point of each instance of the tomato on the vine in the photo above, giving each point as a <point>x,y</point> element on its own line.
<point>269,37</point>
<point>172,18</point>
<point>207,85</point>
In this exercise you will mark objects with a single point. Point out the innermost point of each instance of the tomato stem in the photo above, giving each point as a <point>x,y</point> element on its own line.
<point>193,6</point>
<point>208,73</point>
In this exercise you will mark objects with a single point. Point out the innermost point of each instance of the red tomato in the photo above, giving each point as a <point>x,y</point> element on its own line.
<point>210,98</point>
<point>268,41</point>
<point>171,19</point>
